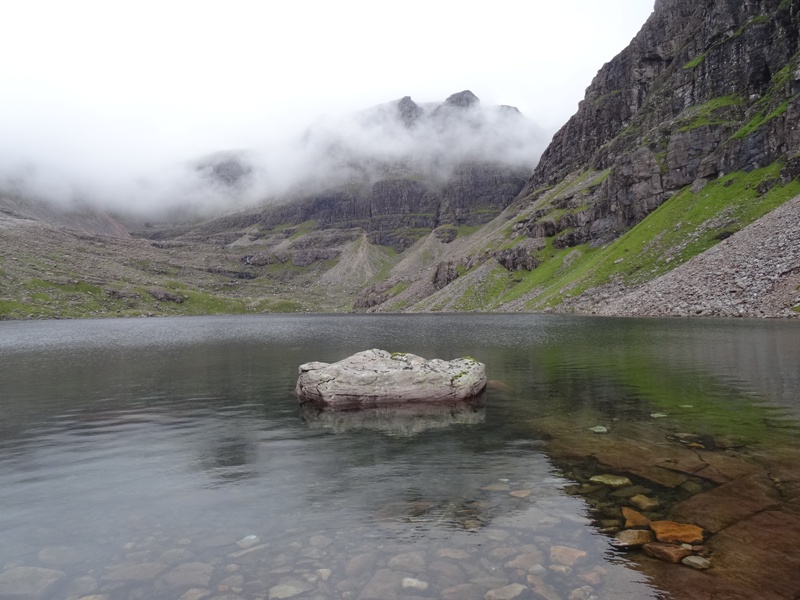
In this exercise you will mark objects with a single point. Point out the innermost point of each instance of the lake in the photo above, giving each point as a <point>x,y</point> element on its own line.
<point>166,458</point>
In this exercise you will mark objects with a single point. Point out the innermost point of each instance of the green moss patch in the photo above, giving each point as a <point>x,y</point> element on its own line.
<point>760,119</point>
<point>695,61</point>
<point>717,111</point>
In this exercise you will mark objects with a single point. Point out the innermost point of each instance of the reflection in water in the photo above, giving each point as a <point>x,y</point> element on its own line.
<point>147,458</point>
<point>404,420</point>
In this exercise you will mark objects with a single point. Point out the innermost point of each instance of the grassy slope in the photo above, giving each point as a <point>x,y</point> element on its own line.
<point>683,227</point>
<point>48,272</point>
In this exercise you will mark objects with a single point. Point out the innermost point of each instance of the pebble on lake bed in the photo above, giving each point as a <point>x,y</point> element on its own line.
<point>634,518</point>
<point>667,552</point>
<point>644,503</point>
<point>677,533</point>
<point>565,555</point>
<point>633,538</point>
<point>614,481</point>
<point>248,541</point>
<point>509,592</point>
<point>409,583</point>
<point>696,562</point>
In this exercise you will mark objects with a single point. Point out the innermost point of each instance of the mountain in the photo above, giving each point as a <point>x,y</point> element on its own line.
<point>667,193</point>
<point>398,171</point>
<point>682,140</point>
<point>336,211</point>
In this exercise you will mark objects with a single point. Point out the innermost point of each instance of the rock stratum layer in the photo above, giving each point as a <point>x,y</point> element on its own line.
<point>376,378</point>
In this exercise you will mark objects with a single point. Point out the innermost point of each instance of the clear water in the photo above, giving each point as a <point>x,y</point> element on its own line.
<point>165,442</point>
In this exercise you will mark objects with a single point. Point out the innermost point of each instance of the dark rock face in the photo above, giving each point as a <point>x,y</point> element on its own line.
<point>408,111</point>
<point>704,89</point>
<point>229,169</point>
<point>463,99</point>
<point>397,211</point>
<point>446,272</point>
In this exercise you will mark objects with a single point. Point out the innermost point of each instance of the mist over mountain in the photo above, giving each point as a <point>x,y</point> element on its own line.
<point>428,139</point>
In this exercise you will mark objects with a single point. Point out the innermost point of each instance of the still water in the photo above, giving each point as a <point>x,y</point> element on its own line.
<point>167,458</point>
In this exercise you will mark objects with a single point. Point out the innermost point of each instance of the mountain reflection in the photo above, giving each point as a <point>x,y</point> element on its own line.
<point>404,421</point>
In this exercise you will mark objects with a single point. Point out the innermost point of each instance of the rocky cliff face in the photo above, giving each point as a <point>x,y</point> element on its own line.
<point>705,89</point>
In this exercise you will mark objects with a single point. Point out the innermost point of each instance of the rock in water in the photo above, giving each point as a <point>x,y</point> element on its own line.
<point>376,378</point>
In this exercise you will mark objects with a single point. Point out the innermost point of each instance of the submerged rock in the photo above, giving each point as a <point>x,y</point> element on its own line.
<point>376,378</point>
<point>613,481</point>
<point>632,538</point>
<point>29,583</point>
<point>670,553</point>
<point>696,562</point>
<point>677,533</point>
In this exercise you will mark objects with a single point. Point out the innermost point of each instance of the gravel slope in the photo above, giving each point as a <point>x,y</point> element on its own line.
<point>754,273</point>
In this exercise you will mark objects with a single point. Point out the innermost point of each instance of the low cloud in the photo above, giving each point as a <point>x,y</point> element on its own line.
<point>398,139</point>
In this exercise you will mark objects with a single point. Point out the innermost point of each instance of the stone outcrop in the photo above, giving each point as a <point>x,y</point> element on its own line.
<point>376,378</point>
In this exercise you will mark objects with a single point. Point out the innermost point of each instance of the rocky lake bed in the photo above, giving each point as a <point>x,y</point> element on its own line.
<point>686,511</point>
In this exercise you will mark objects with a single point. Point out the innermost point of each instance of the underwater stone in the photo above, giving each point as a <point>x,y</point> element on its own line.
<point>633,538</point>
<point>614,481</point>
<point>677,533</point>
<point>696,562</point>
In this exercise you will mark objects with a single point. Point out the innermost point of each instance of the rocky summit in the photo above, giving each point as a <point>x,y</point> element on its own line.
<point>376,378</point>
<point>667,193</point>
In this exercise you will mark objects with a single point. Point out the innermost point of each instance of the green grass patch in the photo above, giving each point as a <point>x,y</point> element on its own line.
<point>302,229</point>
<point>695,61</point>
<point>175,285</point>
<point>398,288</point>
<point>80,287</point>
<point>601,177</point>
<point>544,276</point>
<point>661,159</point>
<point>713,112</point>
<point>483,296</point>
<point>760,119</point>
<point>11,309</point>
<point>280,306</point>
<point>203,303</point>
<point>465,230</point>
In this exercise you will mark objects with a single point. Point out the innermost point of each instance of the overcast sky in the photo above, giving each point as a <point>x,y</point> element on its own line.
<point>121,87</point>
